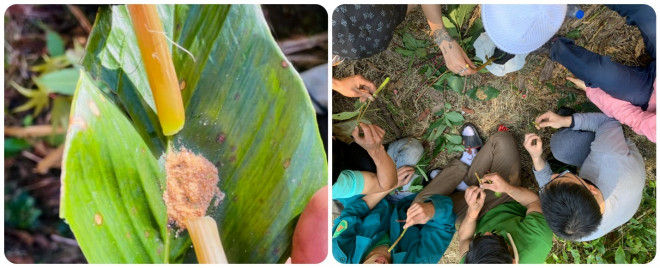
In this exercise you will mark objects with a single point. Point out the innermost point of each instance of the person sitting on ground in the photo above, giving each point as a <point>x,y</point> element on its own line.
<point>361,31</point>
<point>608,189</point>
<point>512,232</point>
<point>640,121</point>
<point>368,227</point>
<point>500,158</point>
<point>366,166</point>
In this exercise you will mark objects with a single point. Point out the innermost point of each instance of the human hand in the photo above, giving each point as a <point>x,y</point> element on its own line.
<point>578,83</point>
<point>474,197</point>
<point>533,145</point>
<point>404,174</point>
<point>419,213</point>
<point>455,58</point>
<point>372,138</point>
<point>354,86</point>
<point>553,120</point>
<point>495,183</point>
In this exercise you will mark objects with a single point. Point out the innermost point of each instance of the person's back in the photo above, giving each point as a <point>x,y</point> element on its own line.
<point>616,167</point>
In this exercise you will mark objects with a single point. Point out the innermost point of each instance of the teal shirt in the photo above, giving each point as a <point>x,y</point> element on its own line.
<point>349,183</point>
<point>357,230</point>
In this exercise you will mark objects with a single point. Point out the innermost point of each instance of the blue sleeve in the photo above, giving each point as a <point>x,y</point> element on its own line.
<point>349,183</point>
<point>544,175</point>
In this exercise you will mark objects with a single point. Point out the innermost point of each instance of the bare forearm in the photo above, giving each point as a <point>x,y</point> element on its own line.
<point>385,169</point>
<point>522,195</point>
<point>433,14</point>
<point>465,233</point>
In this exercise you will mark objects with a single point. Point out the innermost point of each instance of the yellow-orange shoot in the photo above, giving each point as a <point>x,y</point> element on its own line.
<point>158,64</point>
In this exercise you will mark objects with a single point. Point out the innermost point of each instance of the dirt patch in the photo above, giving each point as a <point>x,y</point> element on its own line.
<point>192,182</point>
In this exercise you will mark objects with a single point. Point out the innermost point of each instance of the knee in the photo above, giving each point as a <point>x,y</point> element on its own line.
<point>571,147</point>
<point>503,140</point>
<point>405,152</point>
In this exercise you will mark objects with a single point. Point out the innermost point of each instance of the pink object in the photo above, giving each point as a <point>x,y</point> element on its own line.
<point>642,122</point>
<point>310,238</point>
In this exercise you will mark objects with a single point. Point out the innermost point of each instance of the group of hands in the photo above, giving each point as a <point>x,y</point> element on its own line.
<point>420,213</point>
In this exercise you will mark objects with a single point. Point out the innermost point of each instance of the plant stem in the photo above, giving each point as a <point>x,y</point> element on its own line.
<point>206,239</point>
<point>363,108</point>
<point>159,67</point>
<point>488,62</point>
<point>397,240</point>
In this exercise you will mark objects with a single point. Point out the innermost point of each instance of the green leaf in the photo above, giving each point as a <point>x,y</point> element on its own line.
<point>416,188</point>
<point>54,43</point>
<point>451,27</point>
<point>62,81</point>
<point>453,138</point>
<point>574,34</point>
<point>404,52</point>
<point>246,112</point>
<point>420,53</point>
<point>620,256</point>
<point>460,14</point>
<point>483,93</point>
<point>447,105</point>
<point>345,115</point>
<point>455,83</point>
<point>454,116</point>
<point>13,146</point>
<point>409,41</point>
<point>28,120</point>
<point>436,132</point>
<point>422,172</point>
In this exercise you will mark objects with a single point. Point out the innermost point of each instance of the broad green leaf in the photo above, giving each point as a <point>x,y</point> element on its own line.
<point>62,81</point>
<point>409,41</point>
<point>447,105</point>
<point>404,52</point>
<point>454,116</point>
<point>455,83</point>
<point>436,132</point>
<point>460,14</point>
<point>345,115</point>
<point>420,53</point>
<point>54,43</point>
<point>451,27</point>
<point>453,138</point>
<point>247,111</point>
<point>620,256</point>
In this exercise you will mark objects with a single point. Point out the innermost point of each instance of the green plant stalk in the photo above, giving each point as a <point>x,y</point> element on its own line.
<point>363,108</point>
<point>397,240</point>
<point>488,62</point>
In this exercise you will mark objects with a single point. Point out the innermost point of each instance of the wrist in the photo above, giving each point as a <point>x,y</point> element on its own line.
<point>568,121</point>
<point>374,152</point>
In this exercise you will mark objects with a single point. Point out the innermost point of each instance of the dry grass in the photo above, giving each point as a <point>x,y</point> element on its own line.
<point>602,31</point>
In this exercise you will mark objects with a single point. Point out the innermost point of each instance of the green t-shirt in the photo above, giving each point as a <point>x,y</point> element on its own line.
<point>349,183</point>
<point>530,233</point>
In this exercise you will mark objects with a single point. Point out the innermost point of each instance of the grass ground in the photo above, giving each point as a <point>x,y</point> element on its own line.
<point>408,103</point>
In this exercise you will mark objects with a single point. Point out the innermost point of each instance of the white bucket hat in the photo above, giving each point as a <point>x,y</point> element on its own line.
<point>518,29</point>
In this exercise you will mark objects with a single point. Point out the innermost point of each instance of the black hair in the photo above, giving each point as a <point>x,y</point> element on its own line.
<point>488,249</point>
<point>570,209</point>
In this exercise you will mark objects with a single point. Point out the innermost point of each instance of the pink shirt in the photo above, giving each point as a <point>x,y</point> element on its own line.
<point>642,122</point>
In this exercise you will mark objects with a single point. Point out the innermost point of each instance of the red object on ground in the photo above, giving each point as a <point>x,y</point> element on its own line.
<point>502,128</point>
<point>310,238</point>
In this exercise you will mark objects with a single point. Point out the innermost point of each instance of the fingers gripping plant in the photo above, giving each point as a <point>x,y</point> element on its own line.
<point>245,111</point>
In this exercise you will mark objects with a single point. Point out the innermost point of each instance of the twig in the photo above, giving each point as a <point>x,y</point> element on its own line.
<point>388,118</point>
<point>374,66</point>
<point>397,240</point>
<point>478,179</point>
<point>51,160</point>
<point>363,108</point>
<point>84,22</point>
<point>33,131</point>
<point>64,240</point>
<point>292,46</point>
<point>596,33</point>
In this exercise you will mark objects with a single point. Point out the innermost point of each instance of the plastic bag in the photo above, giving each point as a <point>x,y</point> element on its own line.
<point>483,47</point>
